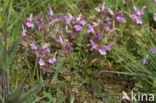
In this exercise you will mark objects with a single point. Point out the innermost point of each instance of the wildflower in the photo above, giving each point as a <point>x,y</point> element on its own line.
<point>52,60</point>
<point>137,18</point>
<point>60,18</point>
<point>145,60</point>
<point>78,27</point>
<point>120,19</point>
<point>107,26</point>
<point>154,17</point>
<point>36,53</point>
<point>110,11</point>
<point>124,1</point>
<point>45,48</point>
<point>60,40</point>
<point>97,9</point>
<point>69,18</point>
<point>70,47</point>
<point>103,6</point>
<point>93,45</point>
<point>50,11</point>
<point>33,46</point>
<point>82,22</point>
<point>154,2</point>
<point>24,31</point>
<point>102,52</point>
<point>41,62</point>
<point>30,21</point>
<point>109,46</point>
<point>99,36</point>
<point>90,29</point>
<point>40,23</point>
<point>137,15</point>
<point>153,51</point>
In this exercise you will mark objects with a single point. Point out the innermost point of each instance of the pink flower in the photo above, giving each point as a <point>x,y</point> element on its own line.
<point>110,11</point>
<point>33,46</point>
<point>153,51</point>
<point>154,2</point>
<point>120,19</point>
<point>78,27</point>
<point>99,36</point>
<point>30,21</point>
<point>102,52</point>
<point>68,19</point>
<point>45,48</point>
<point>60,40</point>
<point>90,29</point>
<point>23,30</point>
<point>70,47</point>
<point>124,1</point>
<point>109,46</point>
<point>137,18</point>
<point>82,22</point>
<point>107,26</point>
<point>50,11</point>
<point>93,45</point>
<point>145,60</point>
<point>103,6</point>
<point>40,23</point>
<point>52,60</point>
<point>41,62</point>
<point>97,9</point>
<point>154,17</point>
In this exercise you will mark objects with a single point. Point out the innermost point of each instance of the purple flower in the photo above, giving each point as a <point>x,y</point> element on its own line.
<point>40,23</point>
<point>109,46</point>
<point>93,45</point>
<point>110,11</point>
<point>50,11</point>
<point>82,22</point>
<point>120,19</point>
<point>99,36</point>
<point>145,60</point>
<point>60,18</point>
<point>68,19</point>
<point>124,1</point>
<point>90,29</point>
<point>45,48</point>
<point>154,17</point>
<point>107,26</point>
<point>70,47</point>
<point>154,2</point>
<point>36,53</point>
<point>24,31</point>
<point>103,6</point>
<point>97,9</point>
<point>78,27</point>
<point>52,60</point>
<point>102,52</point>
<point>142,10</point>
<point>33,46</point>
<point>137,11</point>
<point>41,62</point>
<point>60,40</point>
<point>137,18</point>
<point>30,21</point>
<point>153,51</point>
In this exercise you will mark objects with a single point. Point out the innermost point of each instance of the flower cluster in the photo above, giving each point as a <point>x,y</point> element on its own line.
<point>66,28</point>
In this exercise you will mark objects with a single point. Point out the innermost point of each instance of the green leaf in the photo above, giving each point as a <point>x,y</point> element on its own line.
<point>12,52</point>
<point>58,68</point>
<point>1,56</point>
<point>30,94</point>
<point>14,98</point>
